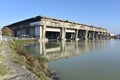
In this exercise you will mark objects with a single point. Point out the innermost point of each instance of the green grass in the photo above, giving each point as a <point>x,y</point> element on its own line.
<point>18,42</point>
<point>41,59</point>
<point>32,63</point>
<point>2,70</point>
<point>0,45</point>
<point>0,57</point>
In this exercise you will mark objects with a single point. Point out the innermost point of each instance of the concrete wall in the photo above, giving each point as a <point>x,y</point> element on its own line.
<point>38,26</point>
<point>89,32</point>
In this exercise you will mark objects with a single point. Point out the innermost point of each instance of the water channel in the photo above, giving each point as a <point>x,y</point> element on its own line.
<point>81,60</point>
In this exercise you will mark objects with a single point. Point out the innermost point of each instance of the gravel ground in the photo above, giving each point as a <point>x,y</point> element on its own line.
<point>14,70</point>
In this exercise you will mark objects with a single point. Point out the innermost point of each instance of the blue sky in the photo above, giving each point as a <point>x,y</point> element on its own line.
<point>102,13</point>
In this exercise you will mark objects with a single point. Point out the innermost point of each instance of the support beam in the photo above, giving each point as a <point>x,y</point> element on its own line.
<point>104,35</point>
<point>107,36</point>
<point>101,35</point>
<point>76,34</point>
<point>86,34</point>
<point>43,33</point>
<point>90,34</point>
<point>96,35</point>
<point>93,35</point>
<point>63,33</point>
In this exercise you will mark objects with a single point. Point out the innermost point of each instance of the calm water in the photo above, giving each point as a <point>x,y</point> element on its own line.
<point>81,60</point>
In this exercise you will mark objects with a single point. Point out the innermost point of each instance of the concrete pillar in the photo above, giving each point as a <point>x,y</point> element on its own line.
<point>93,35</point>
<point>72,36</point>
<point>104,35</point>
<point>63,33</point>
<point>86,34</point>
<point>96,35</point>
<point>76,34</point>
<point>107,35</point>
<point>44,32</point>
<point>101,35</point>
<point>41,32</point>
<point>90,34</point>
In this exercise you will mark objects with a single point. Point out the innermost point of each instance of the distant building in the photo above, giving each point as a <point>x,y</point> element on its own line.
<point>118,36</point>
<point>50,28</point>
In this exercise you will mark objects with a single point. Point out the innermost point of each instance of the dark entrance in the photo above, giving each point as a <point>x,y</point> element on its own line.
<point>52,35</point>
<point>70,36</point>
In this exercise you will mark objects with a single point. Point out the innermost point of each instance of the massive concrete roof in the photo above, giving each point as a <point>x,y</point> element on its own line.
<point>38,18</point>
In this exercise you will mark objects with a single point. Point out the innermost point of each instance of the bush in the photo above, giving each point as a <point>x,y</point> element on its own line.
<point>22,52</point>
<point>6,31</point>
<point>41,59</point>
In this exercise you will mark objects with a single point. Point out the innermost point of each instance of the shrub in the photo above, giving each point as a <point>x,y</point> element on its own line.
<point>41,59</point>
<point>6,31</point>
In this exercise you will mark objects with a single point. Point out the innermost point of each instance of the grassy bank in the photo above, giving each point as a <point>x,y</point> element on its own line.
<point>2,70</point>
<point>2,67</point>
<point>18,42</point>
<point>35,65</point>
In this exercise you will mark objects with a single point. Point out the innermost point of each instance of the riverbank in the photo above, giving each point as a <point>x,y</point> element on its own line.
<point>13,70</point>
<point>13,66</point>
<point>19,42</point>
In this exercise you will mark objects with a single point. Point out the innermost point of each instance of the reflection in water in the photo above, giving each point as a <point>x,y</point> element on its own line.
<point>81,60</point>
<point>63,49</point>
<point>67,49</point>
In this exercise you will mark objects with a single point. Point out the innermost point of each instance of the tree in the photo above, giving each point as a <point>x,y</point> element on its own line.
<point>6,31</point>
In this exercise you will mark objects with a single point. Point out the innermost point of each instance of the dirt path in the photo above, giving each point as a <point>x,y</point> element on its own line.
<point>14,70</point>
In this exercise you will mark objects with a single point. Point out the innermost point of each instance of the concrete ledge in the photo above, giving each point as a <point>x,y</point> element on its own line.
<point>43,40</point>
<point>63,39</point>
<point>77,39</point>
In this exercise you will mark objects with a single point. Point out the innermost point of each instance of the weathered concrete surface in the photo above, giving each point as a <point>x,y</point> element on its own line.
<point>14,70</point>
<point>41,26</point>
